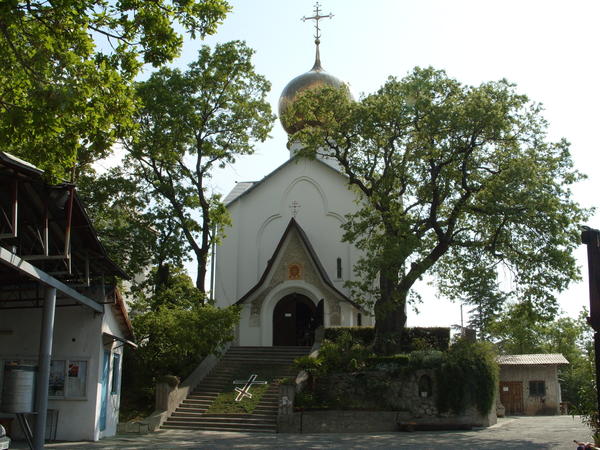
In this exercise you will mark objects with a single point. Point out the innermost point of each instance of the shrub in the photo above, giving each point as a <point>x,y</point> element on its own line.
<point>417,338</point>
<point>469,376</point>
<point>343,355</point>
<point>360,335</point>
<point>420,338</point>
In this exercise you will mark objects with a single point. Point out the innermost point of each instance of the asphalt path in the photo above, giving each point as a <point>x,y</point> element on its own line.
<point>548,432</point>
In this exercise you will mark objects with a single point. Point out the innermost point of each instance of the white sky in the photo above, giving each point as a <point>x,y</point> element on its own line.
<point>548,48</point>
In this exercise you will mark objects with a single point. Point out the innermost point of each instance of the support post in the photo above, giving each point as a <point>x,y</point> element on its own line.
<point>591,238</point>
<point>43,375</point>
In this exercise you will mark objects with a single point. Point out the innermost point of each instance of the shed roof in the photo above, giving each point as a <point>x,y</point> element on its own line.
<point>533,359</point>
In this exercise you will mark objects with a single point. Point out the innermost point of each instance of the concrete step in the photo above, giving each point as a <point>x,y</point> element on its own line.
<point>195,405</point>
<point>192,412</point>
<point>238,429</point>
<point>273,349</point>
<point>202,397</point>
<point>224,422</point>
<point>252,415</point>
<point>186,410</point>
<point>226,418</point>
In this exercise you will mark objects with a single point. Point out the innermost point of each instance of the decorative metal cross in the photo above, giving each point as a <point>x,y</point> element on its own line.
<point>316,18</point>
<point>245,391</point>
<point>295,206</point>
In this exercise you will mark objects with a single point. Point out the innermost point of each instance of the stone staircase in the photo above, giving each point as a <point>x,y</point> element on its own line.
<point>268,363</point>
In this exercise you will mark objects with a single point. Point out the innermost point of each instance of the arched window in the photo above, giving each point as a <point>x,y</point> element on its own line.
<point>425,386</point>
<point>339,268</point>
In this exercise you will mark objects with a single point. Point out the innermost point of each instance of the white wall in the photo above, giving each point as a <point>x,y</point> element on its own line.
<point>77,336</point>
<point>259,219</point>
<point>110,326</point>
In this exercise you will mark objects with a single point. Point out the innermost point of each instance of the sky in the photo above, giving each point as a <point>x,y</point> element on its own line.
<point>548,48</point>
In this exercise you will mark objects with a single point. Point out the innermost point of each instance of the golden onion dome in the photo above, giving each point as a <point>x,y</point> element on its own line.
<point>314,79</point>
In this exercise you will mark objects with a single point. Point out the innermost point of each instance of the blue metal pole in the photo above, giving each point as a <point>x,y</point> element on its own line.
<point>43,375</point>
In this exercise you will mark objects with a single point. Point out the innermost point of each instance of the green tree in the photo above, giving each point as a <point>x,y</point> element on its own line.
<point>519,330</point>
<point>190,123</point>
<point>174,331</point>
<point>68,66</point>
<point>453,180</point>
<point>138,233</point>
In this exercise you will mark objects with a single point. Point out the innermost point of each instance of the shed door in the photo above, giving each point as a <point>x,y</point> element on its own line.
<point>511,396</point>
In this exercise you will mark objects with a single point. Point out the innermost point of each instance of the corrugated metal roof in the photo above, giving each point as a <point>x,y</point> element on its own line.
<point>238,190</point>
<point>10,158</point>
<point>525,360</point>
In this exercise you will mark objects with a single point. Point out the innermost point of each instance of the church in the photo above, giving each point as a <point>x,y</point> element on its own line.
<point>283,260</point>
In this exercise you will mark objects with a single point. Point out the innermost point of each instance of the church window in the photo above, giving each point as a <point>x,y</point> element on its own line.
<point>359,319</point>
<point>339,268</point>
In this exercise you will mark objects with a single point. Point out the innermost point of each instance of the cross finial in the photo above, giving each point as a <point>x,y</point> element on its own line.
<point>294,206</point>
<point>316,18</point>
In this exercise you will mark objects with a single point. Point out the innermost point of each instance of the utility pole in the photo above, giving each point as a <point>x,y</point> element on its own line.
<point>591,238</point>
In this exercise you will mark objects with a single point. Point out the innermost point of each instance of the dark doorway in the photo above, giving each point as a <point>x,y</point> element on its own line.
<point>294,321</point>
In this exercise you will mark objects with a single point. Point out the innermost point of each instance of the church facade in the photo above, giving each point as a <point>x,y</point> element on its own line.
<point>283,260</point>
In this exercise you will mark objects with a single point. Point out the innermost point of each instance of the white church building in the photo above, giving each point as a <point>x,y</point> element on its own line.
<point>283,260</point>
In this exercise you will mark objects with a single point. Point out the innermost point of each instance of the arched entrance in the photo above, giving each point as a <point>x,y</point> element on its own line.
<point>294,320</point>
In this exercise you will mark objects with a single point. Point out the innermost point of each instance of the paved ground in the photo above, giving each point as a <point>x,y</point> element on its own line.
<point>555,432</point>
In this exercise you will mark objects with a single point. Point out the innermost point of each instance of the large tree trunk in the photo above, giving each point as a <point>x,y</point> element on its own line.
<point>201,273</point>
<point>390,317</point>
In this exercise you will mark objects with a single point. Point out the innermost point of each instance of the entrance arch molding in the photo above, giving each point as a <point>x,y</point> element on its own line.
<point>310,291</point>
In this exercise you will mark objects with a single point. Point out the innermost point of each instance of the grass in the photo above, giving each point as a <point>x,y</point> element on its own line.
<point>225,402</point>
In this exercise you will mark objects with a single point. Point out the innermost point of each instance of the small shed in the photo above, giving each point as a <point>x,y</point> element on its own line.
<point>62,317</point>
<point>529,383</point>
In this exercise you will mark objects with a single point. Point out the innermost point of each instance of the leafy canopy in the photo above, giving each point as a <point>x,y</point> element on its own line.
<point>454,181</point>
<point>190,123</point>
<point>174,331</point>
<point>66,86</point>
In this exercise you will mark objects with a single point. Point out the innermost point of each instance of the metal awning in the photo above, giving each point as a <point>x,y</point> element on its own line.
<point>20,265</point>
<point>120,339</point>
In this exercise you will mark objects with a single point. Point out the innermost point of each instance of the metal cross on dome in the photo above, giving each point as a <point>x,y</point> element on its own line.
<point>245,390</point>
<point>316,18</point>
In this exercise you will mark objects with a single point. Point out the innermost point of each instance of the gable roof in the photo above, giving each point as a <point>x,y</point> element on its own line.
<point>239,189</point>
<point>245,187</point>
<point>533,359</point>
<point>293,225</point>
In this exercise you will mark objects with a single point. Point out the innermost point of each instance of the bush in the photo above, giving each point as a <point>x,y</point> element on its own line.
<point>418,338</point>
<point>174,332</point>
<point>343,355</point>
<point>469,376</point>
<point>360,335</point>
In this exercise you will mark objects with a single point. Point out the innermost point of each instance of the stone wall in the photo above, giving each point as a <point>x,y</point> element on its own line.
<point>379,390</point>
<point>374,421</point>
<point>376,402</point>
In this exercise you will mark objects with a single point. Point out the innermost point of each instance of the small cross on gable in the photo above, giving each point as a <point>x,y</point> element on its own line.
<point>294,206</point>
